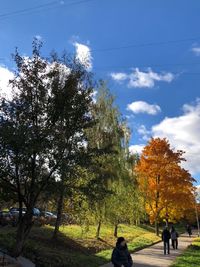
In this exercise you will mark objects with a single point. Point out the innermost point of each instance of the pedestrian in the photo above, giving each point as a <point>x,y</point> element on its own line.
<point>165,238</point>
<point>120,255</point>
<point>174,238</point>
<point>189,230</point>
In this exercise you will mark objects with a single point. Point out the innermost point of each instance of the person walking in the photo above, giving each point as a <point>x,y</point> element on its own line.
<point>120,255</point>
<point>165,238</point>
<point>174,238</point>
<point>189,230</point>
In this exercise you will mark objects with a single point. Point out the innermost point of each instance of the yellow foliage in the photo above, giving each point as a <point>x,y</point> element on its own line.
<point>167,187</point>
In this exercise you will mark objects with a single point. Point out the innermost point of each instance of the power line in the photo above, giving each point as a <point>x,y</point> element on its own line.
<point>106,49</point>
<point>146,66</point>
<point>105,68</point>
<point>18,12</point>
<point>46,6</point>
<point>145,44</point>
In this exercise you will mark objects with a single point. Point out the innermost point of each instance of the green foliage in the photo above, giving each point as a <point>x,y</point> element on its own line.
<point>105,189</point>
<point>57,147</point>
<point>42,129</point>
<point>125,205</point>
<point>110,135</point>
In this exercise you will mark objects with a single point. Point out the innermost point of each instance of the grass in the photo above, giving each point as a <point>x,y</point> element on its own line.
<point>75,246</point>
<point>134,244</point>
<point>191,257</point>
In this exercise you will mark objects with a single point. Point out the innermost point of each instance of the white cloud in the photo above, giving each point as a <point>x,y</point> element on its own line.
<point>142,79</point>
<point>129,117</point>
<point>39,37</point>
<point>136,148</point>
<point>143,107</point>
<point>119,76</point>
<point>142,130</point>
<point>5,87</point>
<point>94,96</point>
<point>83,55</point>
<point>183,133</point>
<point>196,50</point>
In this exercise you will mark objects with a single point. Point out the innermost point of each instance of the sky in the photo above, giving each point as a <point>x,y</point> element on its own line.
<point>148,51</point>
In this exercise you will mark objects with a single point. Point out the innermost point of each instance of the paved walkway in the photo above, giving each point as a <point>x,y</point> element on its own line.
<point>153,256</point>
<point>25,262</point>
<point>11,262</point>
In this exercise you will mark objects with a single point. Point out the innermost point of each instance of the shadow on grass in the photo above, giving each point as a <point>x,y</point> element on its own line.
<point>68,251</point>
<point>147,227</point>
<point>45,252</point>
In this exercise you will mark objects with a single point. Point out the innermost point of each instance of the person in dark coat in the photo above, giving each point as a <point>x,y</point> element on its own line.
<point>189,230</point>
<point>165,238</point>
<point>121,255</point>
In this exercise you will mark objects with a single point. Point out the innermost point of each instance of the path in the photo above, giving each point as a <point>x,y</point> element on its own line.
<point>153,256</point>
<point>11,262</point>
<point>25,262</point>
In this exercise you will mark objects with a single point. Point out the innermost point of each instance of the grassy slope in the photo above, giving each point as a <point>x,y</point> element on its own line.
<point>191,257</point>
<point>76,247</point>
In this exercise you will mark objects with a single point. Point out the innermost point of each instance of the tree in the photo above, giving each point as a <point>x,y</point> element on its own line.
<point>42,128</point>
<point>125,204</point>
<point>108,138</point>
<point>167,187</point>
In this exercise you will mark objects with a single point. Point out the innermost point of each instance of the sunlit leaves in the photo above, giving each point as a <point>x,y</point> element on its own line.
<point>168,188</point>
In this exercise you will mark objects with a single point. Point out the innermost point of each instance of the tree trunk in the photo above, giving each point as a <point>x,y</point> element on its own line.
<point>23,230</point>
<point>20,210</point>
<point>59,214</point>
<point>98,229</point>
<point>156,227</point>
<point>157,201</point>
<point>116,230</point>
<point>197,218</point>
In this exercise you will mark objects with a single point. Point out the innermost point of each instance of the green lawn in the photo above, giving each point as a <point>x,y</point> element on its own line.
<point>191,257</point>
<point>76,247</point>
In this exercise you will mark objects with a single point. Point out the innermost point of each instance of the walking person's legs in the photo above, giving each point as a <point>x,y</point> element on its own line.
<point>177,243</point>
<point>168,247</point>
<point>128,265</point>
<point>173,243</point>
<point>164,247</point>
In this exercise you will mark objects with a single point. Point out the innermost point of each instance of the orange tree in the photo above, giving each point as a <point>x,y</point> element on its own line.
<point>166,186</point>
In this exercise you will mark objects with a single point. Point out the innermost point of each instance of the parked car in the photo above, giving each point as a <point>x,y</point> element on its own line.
<point>15,211</point>
<point>36,212</point>
<point>50,214</point>
<point>48,217</point>
<point>5,218</point>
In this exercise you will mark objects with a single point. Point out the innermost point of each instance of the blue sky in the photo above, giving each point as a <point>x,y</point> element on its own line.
<point>148,51</point>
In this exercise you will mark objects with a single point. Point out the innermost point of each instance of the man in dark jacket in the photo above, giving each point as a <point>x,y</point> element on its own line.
<point>165,238</point>
<point>121,255</point>
<point>189,230</point>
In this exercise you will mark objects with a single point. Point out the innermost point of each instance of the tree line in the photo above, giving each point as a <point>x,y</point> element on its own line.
<point>62,148</point>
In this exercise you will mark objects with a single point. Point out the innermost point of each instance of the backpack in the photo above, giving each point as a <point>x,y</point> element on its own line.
<point>174,235</point>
